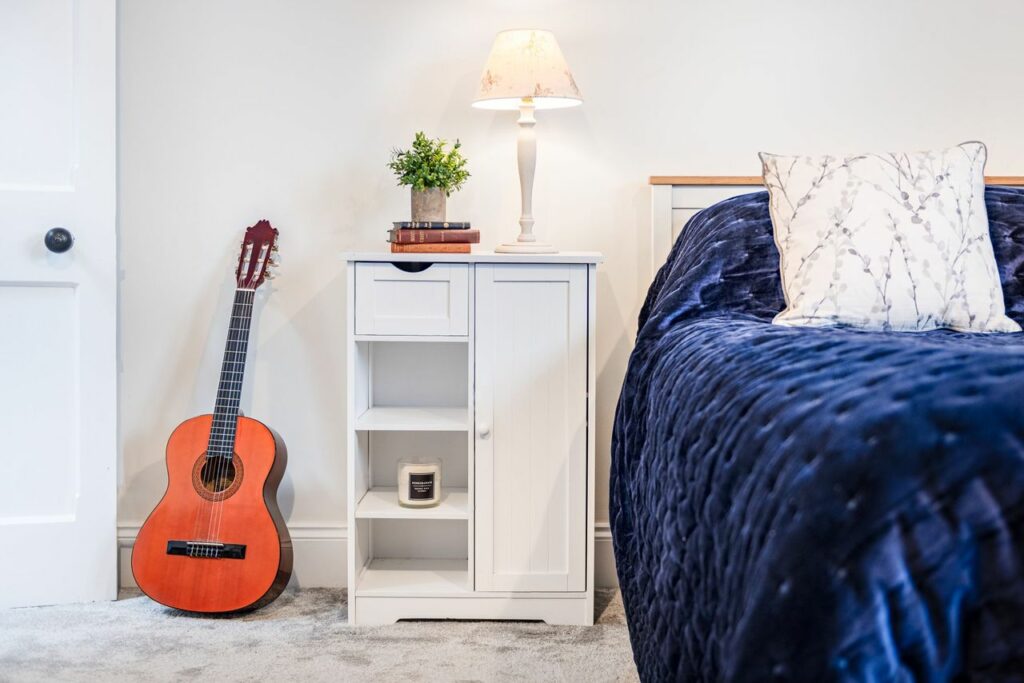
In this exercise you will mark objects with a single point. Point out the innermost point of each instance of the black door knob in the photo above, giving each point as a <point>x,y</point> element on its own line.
<point>59,240</point>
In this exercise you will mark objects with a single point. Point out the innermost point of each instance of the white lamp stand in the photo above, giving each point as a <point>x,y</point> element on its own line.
<point>526,152</point>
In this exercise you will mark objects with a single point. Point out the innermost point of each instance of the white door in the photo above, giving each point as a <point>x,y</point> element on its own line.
<point>531,421</point>
<point>58,398</point>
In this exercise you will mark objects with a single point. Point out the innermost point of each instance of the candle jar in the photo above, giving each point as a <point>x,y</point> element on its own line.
<point>419,482</point>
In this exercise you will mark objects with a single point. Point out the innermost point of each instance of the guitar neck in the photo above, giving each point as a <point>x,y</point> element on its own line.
<point>232,372</point>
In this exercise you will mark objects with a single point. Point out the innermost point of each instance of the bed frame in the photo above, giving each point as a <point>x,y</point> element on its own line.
<point>676,198</point>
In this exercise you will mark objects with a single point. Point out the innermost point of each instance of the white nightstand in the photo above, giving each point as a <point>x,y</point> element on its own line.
<point>486,362</point>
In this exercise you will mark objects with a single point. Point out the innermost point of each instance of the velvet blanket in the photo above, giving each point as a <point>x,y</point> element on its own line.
<point>817,504</point>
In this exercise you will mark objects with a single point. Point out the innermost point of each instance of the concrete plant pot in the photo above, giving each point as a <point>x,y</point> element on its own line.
<point>429,205</point>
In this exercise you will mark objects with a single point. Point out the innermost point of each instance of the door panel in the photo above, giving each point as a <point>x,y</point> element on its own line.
<point>531,442</point>
<point>37,76</point>
<point>58,394</point>
<point>39,417</point>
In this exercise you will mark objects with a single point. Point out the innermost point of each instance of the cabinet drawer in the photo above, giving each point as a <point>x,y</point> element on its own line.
<point>393,302</point>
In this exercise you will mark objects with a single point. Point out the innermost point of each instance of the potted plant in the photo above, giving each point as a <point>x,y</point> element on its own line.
<point>433,170</point>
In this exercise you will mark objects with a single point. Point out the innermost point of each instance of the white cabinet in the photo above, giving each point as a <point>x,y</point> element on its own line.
<point>486,363</point>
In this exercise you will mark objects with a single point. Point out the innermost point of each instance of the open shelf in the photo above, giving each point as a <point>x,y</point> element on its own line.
<point>389,577</point>
<point>382,503</point>
<point>410,399</point>
<point>407,419</point>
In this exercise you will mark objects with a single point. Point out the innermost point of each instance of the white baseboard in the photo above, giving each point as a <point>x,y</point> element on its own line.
<point>604,557</point>
<point>320,555</point>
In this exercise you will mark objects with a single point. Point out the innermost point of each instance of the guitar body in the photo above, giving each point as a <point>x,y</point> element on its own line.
<point>235,513</point>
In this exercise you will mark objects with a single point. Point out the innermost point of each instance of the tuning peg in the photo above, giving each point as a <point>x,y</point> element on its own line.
<point>273,249</point>
<point>270,275</point>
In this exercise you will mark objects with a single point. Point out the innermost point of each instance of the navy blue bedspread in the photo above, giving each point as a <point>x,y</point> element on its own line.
<point>817,504</point>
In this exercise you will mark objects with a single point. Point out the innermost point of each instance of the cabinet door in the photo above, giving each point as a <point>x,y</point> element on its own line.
<point>531,427</point>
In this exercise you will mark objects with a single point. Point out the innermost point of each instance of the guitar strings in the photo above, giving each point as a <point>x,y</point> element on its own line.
<point>240,353</point>
<point>238,341</point>
<point>234,392</point>
<point>204,514</point>
<point>218,434</point>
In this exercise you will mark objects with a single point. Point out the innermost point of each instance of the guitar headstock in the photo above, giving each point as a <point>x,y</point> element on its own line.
<point>256,259</point>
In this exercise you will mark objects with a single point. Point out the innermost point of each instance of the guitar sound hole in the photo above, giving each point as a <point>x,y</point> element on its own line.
<point>218,474</point>
<point>217,478</point>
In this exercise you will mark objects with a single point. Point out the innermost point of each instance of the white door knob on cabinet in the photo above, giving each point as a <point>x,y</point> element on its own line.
<point>484,430</point>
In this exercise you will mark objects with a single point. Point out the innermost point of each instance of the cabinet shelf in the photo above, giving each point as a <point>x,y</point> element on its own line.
<point>382,503</point>
<point>403,419</point>
<point>415,339</point>
<point>405,578</point>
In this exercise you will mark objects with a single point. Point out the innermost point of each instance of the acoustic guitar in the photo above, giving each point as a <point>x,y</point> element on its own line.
<point>216,541</point>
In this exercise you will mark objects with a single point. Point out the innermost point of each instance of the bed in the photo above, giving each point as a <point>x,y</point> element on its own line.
<point>815,504</point>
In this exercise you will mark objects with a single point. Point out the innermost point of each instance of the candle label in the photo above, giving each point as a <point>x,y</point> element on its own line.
<point>421,486</point>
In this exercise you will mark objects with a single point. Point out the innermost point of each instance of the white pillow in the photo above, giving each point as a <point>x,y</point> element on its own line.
<point>886,241</point>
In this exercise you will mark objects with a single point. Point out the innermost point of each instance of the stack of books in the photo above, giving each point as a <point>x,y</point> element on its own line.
<point>429,237</point>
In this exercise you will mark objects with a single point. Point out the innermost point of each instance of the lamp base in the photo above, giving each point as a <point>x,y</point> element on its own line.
<point>525,248</point>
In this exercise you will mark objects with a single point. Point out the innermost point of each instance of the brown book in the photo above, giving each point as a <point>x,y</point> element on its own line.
<point>450,248</point>
<point>406,236</point>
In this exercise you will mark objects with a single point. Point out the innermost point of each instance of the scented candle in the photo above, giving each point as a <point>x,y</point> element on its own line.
<point>419,483</point>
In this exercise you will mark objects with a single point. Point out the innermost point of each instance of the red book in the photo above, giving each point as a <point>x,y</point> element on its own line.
<point>406,236</point>
<point>450,248</point>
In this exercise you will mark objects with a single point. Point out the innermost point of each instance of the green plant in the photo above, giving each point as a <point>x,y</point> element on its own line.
<point>429,164</point>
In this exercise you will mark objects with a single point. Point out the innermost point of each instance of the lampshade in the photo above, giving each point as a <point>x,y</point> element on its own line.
<point>526,63</point>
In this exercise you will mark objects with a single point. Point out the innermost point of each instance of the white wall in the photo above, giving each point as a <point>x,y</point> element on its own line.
<point>286,109</point>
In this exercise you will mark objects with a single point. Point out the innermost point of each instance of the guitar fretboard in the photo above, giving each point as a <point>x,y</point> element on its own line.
<point>232,371</point>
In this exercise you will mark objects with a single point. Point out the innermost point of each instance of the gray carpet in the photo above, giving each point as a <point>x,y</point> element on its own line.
<point>302,636</point>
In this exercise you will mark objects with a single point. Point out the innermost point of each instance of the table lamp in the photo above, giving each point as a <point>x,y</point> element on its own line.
<point>526,71</point>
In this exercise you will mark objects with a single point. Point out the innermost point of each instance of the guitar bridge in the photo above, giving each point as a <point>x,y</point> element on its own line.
<point>207,549</point>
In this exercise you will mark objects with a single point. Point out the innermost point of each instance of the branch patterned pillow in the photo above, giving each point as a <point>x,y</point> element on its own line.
<point>886,241</point>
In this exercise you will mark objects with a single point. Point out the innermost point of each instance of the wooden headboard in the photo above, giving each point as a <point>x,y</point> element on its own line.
<point>675,198</point>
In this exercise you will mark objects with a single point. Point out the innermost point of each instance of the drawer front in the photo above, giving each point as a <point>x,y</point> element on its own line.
<point>390,301</point>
